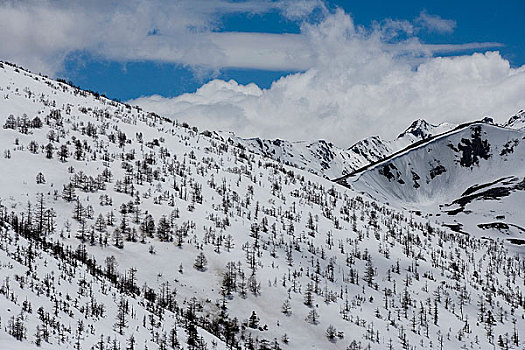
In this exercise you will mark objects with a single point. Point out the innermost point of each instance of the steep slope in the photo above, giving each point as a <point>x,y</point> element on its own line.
<point>183,236</point>
<point>473,175</point>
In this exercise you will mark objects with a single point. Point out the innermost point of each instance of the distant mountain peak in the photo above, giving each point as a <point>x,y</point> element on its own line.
<point>517,121</point>
<point>419,128</point>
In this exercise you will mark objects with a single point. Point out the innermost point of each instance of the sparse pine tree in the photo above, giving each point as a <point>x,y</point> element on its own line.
<point>118,239</point>
<point>200,262</point>
<point>286,308</point>
<point>369,272</point>
<point>331,332</point>
<point>312,317</point>
<point>121,316</point>
<point>253,321</point>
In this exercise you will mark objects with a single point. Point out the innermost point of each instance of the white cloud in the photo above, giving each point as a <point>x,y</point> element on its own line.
<point>260,50</point>
<point>299,9</point>
<point>434,23</point>
<point>359,84</point>
<point>40,34</point>
<point>355,82</point>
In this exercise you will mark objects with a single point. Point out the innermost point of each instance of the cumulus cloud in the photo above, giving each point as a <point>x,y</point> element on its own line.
<point>359,84</point>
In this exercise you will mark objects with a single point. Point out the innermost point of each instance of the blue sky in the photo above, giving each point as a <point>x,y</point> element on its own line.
<point>293,69</point>
<point>476,21</point>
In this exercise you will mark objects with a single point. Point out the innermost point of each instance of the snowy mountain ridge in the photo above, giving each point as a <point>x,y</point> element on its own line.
<point>330,161</point>
<point>326,159</point>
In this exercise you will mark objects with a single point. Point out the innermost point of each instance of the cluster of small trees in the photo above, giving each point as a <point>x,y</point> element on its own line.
<point>23,123</point>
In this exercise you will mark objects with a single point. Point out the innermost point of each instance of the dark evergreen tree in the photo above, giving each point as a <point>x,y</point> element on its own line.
<point>200,262</point>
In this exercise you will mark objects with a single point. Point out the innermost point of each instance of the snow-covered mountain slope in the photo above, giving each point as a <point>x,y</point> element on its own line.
<point>119,229</point>
<point>325,159</point>
<point>473,175</point>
